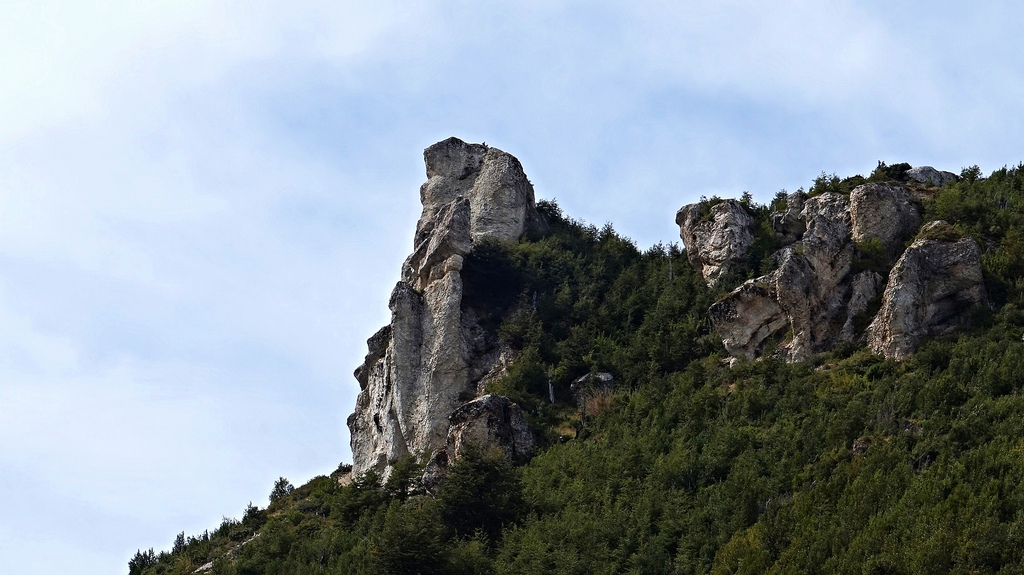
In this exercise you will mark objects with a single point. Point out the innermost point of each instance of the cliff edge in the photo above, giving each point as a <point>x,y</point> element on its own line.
<point>427,362</point>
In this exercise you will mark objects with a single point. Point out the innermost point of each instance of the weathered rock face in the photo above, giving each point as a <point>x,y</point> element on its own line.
<point>886,212</point>
<point>814,296</point>
<point>716,239</point>
<point>432,355</point>
<point>807,294</point>
<point>931,176</point>
<point>818,294</point>
<point>747,317</point>
<point>501,196</point>
<point>931,291</point>
<point>491,422</point>
<point>788,223</point>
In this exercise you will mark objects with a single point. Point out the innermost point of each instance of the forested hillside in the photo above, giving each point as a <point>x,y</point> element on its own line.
<point>842,463</point>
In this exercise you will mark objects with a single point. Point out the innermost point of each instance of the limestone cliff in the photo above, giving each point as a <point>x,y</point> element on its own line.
<point>428,361</point>
<point>819,289</point>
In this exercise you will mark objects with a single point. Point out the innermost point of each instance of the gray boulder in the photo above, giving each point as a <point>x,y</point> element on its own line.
<point>591,385</point>
<point>885,212</point>
<point>715,239</point>
<point>931,291</point>
<point>490,424</point>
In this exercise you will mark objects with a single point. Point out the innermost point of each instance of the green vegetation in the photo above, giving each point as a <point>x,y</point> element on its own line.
<point>870,254</point>
<point>942,233</point>
<point>845,463</point>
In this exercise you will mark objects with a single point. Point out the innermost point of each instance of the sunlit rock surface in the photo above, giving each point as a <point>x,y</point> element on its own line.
<point>430,359</point>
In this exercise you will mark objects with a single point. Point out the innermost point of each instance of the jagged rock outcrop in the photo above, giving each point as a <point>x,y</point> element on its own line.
<point>806,293</point>
<point>825,283</point>
<point>716,239</point>
<point>488,423</point>
<point>931,176</point>
<point>931,291</point>
<point>429,359</point>
<point>815,296</point>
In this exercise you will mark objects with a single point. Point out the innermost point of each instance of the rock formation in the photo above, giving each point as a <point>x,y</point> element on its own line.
<point>930,176</point>
<point>806,297</point>
<point>716,238</point>
<point>491,422</point>
<point>885,212</point>
<point>787,223</point>
<point>816,293</point>
<point>592,385</point>
<point>428,361</point>
<point>423,370</point>
<point>931,291</point>
<point>825,280</point>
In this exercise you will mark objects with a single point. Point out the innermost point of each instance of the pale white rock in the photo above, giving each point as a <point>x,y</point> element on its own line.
<point>430,359</point>
<point>931,176</point>
<point>448,237</point>
<point>886,212</point>
<point>930,292</point>
<point>716,239</point>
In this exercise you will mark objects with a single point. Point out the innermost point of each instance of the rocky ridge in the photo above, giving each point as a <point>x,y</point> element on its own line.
<point>430,359</point>
<point>825,281</point>
<point>424,379</point>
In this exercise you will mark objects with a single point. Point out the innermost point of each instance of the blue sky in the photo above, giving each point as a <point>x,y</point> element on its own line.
<point>204,206</point>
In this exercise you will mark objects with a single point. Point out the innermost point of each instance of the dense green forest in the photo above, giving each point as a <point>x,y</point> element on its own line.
<point>844,463</point>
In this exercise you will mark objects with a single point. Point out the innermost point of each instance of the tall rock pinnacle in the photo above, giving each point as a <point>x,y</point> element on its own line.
<point>427,362</point>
